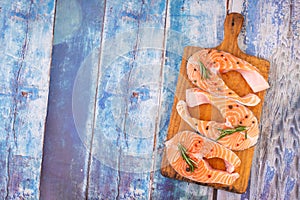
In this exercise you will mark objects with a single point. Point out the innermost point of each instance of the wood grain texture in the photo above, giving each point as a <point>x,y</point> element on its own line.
<point>66,158</point>
<point>182,16</point>
<point>26,36</point>
<point>127,99</point>
<point>277,155</point>
<point>275,37</point>
<point>271,31</point>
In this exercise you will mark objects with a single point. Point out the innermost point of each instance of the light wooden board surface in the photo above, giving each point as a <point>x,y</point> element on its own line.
<point>125,95</point>
<point>232,26</point>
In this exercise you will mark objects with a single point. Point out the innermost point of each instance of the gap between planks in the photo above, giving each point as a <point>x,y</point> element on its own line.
<point>157,124</point>
<point>95,104</point>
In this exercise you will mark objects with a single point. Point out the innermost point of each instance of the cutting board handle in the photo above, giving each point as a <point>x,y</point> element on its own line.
<point>232,27</point>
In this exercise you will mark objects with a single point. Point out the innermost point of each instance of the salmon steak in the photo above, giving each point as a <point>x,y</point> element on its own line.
<point>239,130</point>
<point>187,153</point>
<point>205,66</point>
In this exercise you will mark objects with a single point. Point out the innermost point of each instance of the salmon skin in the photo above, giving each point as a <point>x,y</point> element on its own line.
<point>204,68</point>
<point>235,115</point>
<point>199,149</point>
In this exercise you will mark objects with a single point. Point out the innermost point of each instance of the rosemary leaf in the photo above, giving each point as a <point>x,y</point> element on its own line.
<point>191,163</point>
<point>225,132</point>
<point>205,73</point>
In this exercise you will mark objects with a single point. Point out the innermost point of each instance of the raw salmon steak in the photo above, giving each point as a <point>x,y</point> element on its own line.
<point>240,124</point>
<point>198,149</point>
<point>204,68</point>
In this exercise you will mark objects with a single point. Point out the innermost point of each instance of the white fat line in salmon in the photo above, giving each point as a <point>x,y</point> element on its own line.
<point>235,116</point>
<point>196,145</point>
<point>216,62</point>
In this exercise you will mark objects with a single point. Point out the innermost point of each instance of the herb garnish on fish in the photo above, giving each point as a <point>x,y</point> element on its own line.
<point>205,73</point>
<point>229,131</point>
<point>192,164</point>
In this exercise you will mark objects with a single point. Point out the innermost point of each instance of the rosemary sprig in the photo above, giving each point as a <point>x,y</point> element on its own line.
<point>192,164</point>
<point>205,73</point>
<point>225,132</point>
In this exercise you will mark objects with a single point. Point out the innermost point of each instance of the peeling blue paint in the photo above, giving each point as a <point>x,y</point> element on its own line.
<point>102,99</point>
<point>140,94</point>
<point>288,160</point>
<point>289,186</point>
<point>250,11</point>
<point>144,93</point>
<point>269,175</point>
<point>135,16</point>
<point>14,13</point>
<point>278,15</point>
<point>24,12</point>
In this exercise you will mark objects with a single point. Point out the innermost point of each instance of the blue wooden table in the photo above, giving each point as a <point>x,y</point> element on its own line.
<point>87,87</point>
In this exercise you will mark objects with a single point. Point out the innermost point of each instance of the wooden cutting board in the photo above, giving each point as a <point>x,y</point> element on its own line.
<point>232,27</point>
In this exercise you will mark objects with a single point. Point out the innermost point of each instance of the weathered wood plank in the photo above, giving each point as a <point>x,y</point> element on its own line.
<point>65,164</point>
<point>272,32</point>
<point>276,30</point>
<point>26,37</point>
<point>127,100</point>
<point>189,23</point>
